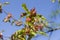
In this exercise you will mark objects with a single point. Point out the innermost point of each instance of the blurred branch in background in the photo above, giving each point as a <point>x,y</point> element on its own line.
<point>55,12</point>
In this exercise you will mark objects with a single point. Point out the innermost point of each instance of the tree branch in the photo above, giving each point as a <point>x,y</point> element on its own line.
<point>52,30</point>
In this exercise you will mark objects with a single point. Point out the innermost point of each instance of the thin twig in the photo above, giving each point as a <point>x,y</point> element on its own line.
<point>7,14</point>
<point>53,30</point>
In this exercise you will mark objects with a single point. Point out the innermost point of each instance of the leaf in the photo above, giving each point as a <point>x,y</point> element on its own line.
<point>42,33</point>
<point>6,20</point>
<point>53,1</point>
<point>22,38</point>
<point>32,33</point>
<point>55,13</point>
<point>59,1</point>
<point>29,38</point>
<point>21,31</point>
<point>0,8</point>
<point>3,30</point>
<point>9,21</point>
<point>25,8</point>
<point>41,16</point>
<point>12,22</point>
<point>6,3</point>
<point>23,14</point>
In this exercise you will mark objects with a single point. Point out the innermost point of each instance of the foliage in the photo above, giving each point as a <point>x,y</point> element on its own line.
<point>34,23</point>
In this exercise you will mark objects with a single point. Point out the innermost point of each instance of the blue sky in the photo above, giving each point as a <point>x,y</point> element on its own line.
<point>43,7</point>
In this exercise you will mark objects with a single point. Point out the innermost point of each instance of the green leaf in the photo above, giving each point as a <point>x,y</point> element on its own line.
<point>25,8</point>
<point>59,1</point>
<point>53,1</point>
<point>22,38</point>
<point>29,23</point>
<point>32,33</point>
<point>42,33</point>
<point>41,16</point>
<point>55,13</point>
<point>21,31</point>
<point>29,38</point>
